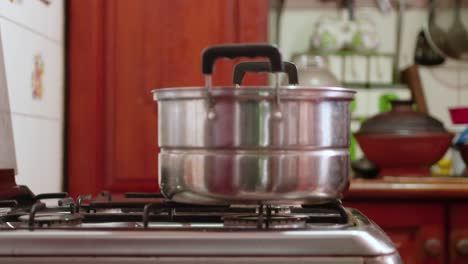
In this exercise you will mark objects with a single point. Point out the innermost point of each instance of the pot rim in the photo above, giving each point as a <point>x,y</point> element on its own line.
<point>254,92</point>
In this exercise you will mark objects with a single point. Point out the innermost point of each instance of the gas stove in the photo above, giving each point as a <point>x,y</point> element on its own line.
<point>147,228</point>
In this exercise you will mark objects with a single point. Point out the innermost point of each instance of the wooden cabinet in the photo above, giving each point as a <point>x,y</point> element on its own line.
<point>118,52</point>
<point>458,235</point>
<point>426,217</point>
<point>417,229</point>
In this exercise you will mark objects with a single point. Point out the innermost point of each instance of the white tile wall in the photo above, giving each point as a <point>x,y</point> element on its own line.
<point>34,15</point>
<point>354,66</point>
<point>28,28</point>
<point>39,150</point>
<point>335,66</point>
<point>443,90</point>
<point>413,21</point>
<point>380,70</point>
<point>296,28</point>
<point>357,150</point>
<point>21,46</point>
<point>463,86</point>
<point>362,103</point>
<point>7,150</point>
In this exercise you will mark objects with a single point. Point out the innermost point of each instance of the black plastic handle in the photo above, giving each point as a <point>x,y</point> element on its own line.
<point>263,66</point>
<point>231,51</point>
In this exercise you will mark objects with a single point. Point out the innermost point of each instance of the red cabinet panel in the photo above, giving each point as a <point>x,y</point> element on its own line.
<point>118,52</point>
<point>417,229</point>
<point>458,236</point>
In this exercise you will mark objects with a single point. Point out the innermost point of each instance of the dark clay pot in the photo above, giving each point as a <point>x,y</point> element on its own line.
<point>403,142</point>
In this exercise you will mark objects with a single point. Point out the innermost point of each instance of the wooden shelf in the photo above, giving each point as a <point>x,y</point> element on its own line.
<point>409,188</point>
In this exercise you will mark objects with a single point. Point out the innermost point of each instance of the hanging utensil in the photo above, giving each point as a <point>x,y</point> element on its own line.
<point>424,53</point>
<point>455,44</point>
<point>350,7</point>
<point>399,25</point>
<point>458,44</point>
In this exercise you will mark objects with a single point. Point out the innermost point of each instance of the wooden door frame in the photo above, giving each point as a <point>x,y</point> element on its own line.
<point>86,82</point>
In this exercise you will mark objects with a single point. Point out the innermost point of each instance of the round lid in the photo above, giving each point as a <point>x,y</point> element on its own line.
<point>401,120</point>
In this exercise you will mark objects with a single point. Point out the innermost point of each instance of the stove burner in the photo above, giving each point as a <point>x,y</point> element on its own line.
<point>143,209</point>
<point>279,221</point>
<point>52,219</point>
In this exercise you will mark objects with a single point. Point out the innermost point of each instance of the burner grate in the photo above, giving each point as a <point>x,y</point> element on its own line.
<point>150,210</point>
<point>143,195</point>
<point>326,212</point>
<point>272,222</point>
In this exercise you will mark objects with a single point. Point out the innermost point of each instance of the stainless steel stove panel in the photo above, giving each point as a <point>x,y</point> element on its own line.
<point>363,238</point>
<point>159,231</point>
<point>390,259</point>
<point>130,243</point>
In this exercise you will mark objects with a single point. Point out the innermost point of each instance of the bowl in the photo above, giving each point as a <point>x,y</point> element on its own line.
<point>404,155</point>
<point>459,115</point>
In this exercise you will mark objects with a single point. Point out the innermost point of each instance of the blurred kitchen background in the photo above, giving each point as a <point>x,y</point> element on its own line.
<point>312,33</point>
<point>370,65</point>
<point>80,75</point>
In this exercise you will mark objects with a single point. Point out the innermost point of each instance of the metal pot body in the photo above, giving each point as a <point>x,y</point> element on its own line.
<point>231,146</point>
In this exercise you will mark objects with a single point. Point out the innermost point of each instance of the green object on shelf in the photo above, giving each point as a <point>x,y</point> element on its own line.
<point>353,105</point>
<point>352,148</point>
<point>384,101</point>
<point>359,118</point>
<point>327,41</point>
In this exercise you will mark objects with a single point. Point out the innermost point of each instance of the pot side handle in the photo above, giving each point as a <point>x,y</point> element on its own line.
<point>263,66</point>
<point>231,51</point>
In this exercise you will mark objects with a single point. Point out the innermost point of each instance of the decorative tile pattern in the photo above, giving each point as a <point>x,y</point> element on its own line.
<point>35,72</point>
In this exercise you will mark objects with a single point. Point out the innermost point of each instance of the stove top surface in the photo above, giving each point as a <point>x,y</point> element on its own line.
<point>149,225</point>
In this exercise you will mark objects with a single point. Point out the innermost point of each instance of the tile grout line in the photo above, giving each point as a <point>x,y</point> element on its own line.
<point>42,117</point>
<point>31,30</point>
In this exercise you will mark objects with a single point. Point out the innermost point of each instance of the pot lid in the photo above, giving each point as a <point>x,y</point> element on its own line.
<point>401,120</point>
<point>255,93</point>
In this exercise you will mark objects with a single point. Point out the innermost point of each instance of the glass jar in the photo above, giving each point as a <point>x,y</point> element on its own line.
<point>313,71</point>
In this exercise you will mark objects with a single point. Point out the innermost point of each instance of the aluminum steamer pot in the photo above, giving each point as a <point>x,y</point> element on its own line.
<point>261,145</point>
